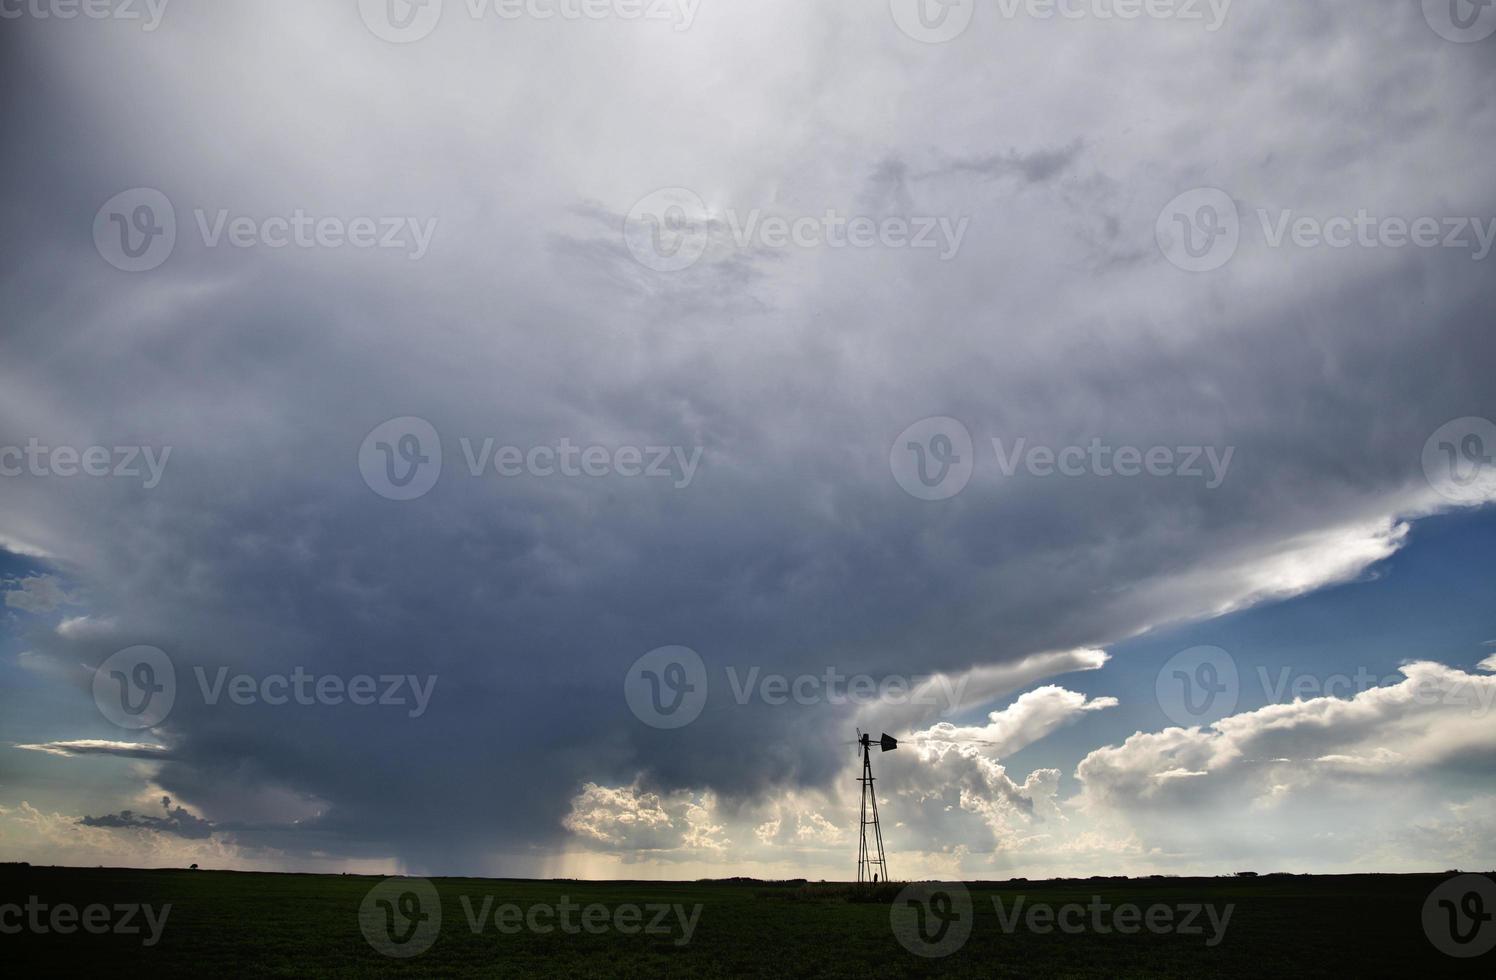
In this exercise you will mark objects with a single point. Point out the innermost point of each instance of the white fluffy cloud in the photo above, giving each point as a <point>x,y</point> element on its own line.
<point>35,593</point>
<point>629,818</point>
<point>1437,718</point>
<point>98,746</point>
<point>951,694</point>
<point>1033,716</point>
<point>1324,784</point>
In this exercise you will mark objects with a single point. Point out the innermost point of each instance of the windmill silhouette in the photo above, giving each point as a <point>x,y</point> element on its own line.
<point>870,869</point>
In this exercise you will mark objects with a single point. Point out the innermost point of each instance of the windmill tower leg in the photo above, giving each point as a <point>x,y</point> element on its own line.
<point>866,781</point>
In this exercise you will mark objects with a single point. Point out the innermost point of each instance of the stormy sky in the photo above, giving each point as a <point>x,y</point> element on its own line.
<point>483,234</point>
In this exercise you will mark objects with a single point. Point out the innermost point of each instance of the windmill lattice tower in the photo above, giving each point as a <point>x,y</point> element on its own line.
<point>871,869</point>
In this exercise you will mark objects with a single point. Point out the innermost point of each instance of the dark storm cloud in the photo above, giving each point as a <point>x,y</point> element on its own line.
<point>793,550</point>
<point>177,822</point>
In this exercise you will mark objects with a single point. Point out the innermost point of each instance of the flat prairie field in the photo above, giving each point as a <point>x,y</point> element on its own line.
<point>120,922</point>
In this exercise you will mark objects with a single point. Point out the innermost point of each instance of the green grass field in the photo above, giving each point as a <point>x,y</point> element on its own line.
<point>223,923</point>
